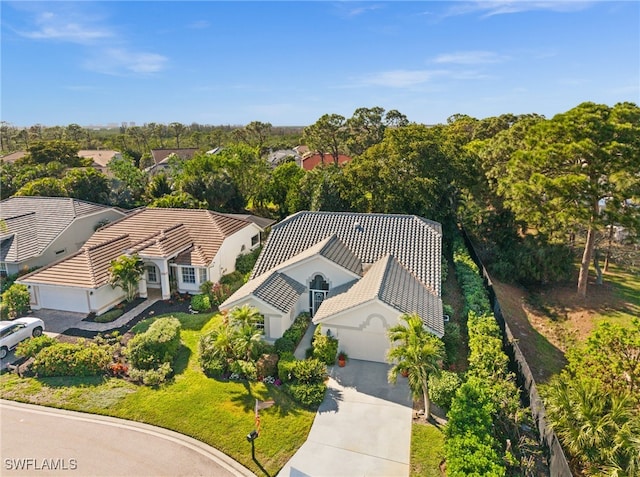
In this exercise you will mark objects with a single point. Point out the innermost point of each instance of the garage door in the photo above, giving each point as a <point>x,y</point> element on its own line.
<point>64,299</point>
<point>369,346</point>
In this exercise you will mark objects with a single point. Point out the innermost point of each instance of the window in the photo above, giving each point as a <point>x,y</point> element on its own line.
<point>3,269</point>
<point>188,275</point>
<point>203,275</point>
<point>255,240</point>
<point>152,274</point>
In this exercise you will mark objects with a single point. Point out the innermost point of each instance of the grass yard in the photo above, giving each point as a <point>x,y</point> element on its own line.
<point>427,450</point>
<point>218,413</point>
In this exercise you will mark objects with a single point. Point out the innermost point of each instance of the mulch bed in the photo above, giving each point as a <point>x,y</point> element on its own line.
<point>161,307</point>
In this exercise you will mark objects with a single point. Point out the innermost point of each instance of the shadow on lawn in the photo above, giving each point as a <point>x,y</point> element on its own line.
<point>284,404</point>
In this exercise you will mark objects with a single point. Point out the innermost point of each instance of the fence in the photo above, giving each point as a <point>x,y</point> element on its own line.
<point>558,464</point>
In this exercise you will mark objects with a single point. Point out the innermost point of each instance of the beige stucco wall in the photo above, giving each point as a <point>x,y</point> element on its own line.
<point>239,243</point>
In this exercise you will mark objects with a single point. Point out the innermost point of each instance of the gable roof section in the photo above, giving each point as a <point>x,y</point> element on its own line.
<point>161,155</point>
<point>331,248</point>
<point>280,291</point>
<point>100,157</point>
<point>415,242</point>
<point>35,222</point>
<point>158,230</point>
<point>87,268</point>
<point>390,283</point>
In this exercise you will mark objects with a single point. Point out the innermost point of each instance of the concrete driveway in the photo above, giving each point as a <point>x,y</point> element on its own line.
<point>363,427</point>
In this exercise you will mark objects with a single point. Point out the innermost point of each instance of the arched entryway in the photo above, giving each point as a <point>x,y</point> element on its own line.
<point>318,289</point>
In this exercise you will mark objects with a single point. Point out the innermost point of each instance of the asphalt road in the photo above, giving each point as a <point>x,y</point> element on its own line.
<point>40,441</point>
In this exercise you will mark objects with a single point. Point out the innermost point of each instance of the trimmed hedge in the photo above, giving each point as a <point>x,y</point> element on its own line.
<point>156,346</point>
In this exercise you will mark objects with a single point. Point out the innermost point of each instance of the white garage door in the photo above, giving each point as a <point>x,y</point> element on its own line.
<point>64,299</point>
<point>369,346</point>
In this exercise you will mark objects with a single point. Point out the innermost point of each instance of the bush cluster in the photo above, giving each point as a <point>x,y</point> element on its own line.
<point>200,303</point>
<point>246,262</point>
<point>72,359</point>
<point>293,335</point>
<point>325,348</point>
<point>31,347</point>
<point>303,379</point>
<point>485,409</point>
<point>151,353</point>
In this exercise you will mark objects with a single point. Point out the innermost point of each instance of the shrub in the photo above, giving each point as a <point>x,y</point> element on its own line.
<point>16,299</point>
<point>200,303</point>
<point>267,365</point>
<point>156,346</point>
<point>71,359</point>
<point>309,371</point>
<point>325,348</point>
<point>245,263</point>
<point>245,369</point>
<point>309,395</point>
<point>151,377</point>
<point>452,339</point>
<point>443,387</point>
<point>284,345</point>
<point>298,328</point>
<point>286,365</point>
<point>31,347</point>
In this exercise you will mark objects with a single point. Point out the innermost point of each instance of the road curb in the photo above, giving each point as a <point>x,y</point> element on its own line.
<point>203,449</point>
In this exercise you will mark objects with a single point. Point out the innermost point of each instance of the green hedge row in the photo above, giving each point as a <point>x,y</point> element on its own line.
<point>72,359</point>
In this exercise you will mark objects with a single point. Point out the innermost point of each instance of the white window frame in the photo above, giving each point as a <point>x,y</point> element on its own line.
<point>202,274</point>
<point>188,275</point>
<point>151,270</point>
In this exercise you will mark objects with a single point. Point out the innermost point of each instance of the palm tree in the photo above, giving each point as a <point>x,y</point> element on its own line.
<point>125,272</point>
<point>417,353</point>
<point>245,316</point>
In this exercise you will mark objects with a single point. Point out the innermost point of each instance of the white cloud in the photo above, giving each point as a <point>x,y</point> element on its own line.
<point>120,61</point>
<point>470,58</point>
<point>72,28</point>
<point>500,7</point>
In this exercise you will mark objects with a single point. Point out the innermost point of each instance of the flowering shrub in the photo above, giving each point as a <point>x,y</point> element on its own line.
<point>151,377</point>
<point>118,369</point>
<point>31,347</point>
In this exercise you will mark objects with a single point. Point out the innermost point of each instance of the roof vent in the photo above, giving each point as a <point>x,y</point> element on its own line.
<point>357,226</point>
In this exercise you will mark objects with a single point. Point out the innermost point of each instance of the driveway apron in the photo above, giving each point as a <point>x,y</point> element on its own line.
<point>362,428</point>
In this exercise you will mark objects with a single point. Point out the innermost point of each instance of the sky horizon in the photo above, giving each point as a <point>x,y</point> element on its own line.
<point>287,63</point>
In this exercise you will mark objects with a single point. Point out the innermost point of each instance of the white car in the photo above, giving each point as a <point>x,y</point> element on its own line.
<point>13,332</point>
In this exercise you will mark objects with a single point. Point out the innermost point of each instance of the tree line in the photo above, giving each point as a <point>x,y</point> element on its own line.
<point>527,188</point>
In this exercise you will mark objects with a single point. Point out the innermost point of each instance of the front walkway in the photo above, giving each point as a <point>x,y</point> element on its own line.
<point>362,428</point>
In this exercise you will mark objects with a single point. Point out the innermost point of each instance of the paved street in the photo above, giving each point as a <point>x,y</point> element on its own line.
<point>38,441</point>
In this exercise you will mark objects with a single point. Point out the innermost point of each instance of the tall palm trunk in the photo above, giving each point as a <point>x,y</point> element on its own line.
<point>427,401</point>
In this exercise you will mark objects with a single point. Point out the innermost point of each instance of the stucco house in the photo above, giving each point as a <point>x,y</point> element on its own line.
<point>181,249</point>
<point>357,274</point>
<point>36,231</point>
<point>161,158</point>
<point>100,158</point>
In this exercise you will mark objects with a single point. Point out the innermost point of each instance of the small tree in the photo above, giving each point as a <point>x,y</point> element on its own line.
<point>416,352</point>
<point>125,273</point>
<point>16,299</point>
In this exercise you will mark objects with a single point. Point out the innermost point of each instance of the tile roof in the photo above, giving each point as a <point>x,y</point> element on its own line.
<point>161,155</point>
<point>34,222</point>
<point>388,281</point>
<point>280,291</point>
<point>87,268</point>
<point>414,241</point>
<point>101,157</point>
<point>331,248</point>
<point>192,233</point>
<point>159,230</point>
<point>261,222</point>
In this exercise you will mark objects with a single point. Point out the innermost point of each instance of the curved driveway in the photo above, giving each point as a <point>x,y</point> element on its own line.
<point>45,441</point>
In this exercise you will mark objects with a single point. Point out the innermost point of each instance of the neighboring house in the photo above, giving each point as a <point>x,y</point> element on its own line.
<point>100,158</point>
<point>161,157</point>
<point>181,249</point>
<point>36,231</point>
<point>276,158</point>
<point>357,274</point>
<point>312,160</point>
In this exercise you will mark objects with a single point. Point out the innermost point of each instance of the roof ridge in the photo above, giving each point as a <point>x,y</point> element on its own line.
<point>101,244</point>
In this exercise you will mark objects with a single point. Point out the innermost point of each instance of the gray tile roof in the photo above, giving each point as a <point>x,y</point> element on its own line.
<point>388,281</point>
<point>280,291</point>
<point>414,241</point>
<point>32,223</point>
<point>331,248</point>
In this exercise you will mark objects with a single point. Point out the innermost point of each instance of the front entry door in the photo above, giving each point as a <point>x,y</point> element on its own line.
<point>318,289</point>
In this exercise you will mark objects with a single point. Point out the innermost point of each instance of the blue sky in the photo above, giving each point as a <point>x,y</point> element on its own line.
<point>288,63</point>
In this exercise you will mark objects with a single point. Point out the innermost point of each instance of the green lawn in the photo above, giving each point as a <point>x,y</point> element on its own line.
<point>218,413</point>
<point>427,450</point>
<point>626,286</point>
